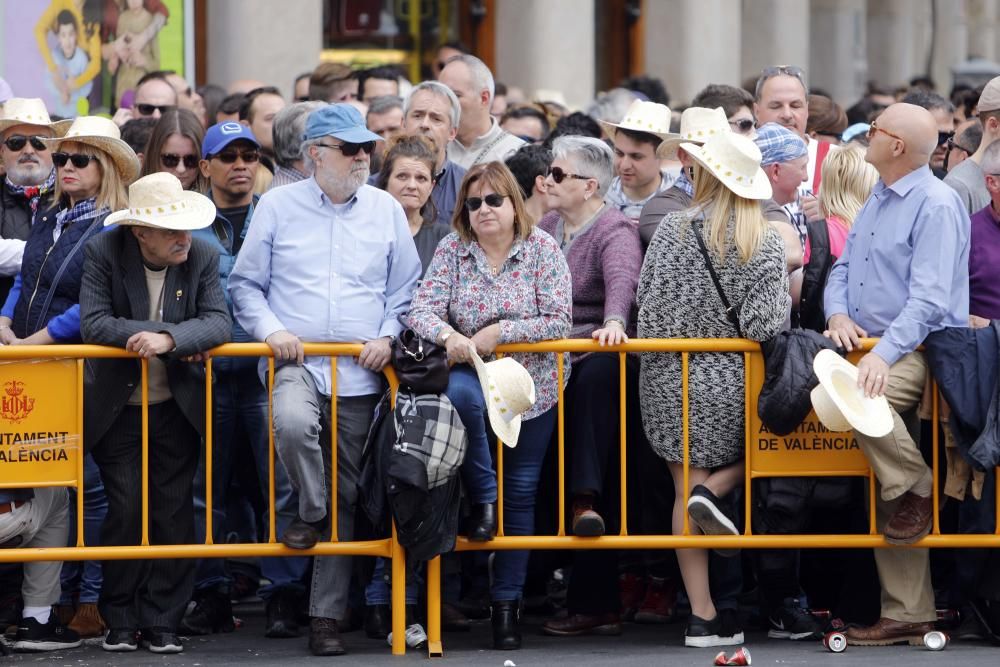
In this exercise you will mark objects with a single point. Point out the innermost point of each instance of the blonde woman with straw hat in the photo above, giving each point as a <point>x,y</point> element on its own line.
<point>716,270</point>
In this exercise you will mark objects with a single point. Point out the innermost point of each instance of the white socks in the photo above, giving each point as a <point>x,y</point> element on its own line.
<point>40,614</point>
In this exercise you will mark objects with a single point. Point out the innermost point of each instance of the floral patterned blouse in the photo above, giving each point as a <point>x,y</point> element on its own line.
<point>531,299</point>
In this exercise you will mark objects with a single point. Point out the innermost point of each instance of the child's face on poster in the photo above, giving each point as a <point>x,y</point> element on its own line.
<point>67,39</point>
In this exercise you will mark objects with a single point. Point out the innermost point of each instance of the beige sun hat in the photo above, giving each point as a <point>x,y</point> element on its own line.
<point>159,200</point>
<point>841,404</point>
<point>30,111</point>
<point>698,125</point>
<point>103,134</point>
<point>734,160</point>
<point>643,116</point>
<point>509,392</point>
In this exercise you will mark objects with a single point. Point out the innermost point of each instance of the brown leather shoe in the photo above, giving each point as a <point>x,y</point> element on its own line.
<point>887,632</point>
<point>87,621</point>
<point>911,520</point>
<point>583,624</point>
<point>586,522</point>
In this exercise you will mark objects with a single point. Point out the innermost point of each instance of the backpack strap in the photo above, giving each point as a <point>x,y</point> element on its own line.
<point>732,314</point>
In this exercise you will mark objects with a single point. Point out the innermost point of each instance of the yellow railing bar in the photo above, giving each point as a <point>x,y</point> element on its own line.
<point>747,449</point>
<point>144,365</point>
<point>685,435</point>
<point>561,443</point>
<point>364,548</point>
<point>272,519</point>
<point>209,412</point>
<point>398,594</point>
<point>623,467</point>
<point>936,526</point>
<point>80,482</point>
<point>334,477</point>
<point>434,648</point>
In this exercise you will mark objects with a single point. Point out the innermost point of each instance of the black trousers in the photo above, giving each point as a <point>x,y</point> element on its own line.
<point>148,593</point>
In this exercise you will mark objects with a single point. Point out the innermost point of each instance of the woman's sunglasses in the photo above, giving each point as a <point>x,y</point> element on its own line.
<point>17,142</point>
<point>493,200</point>
<point>79,160</point>
<point>171,160</point>
<point>558,175</point>
<point>350,150</point>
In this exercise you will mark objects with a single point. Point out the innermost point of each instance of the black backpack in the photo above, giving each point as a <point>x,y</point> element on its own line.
<point>814,276</point>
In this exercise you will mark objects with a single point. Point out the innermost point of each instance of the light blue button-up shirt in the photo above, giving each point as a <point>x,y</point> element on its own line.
<point>905,269</point>
<point>327,273</point>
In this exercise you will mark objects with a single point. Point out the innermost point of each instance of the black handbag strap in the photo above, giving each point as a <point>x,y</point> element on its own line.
<point>731,313</point>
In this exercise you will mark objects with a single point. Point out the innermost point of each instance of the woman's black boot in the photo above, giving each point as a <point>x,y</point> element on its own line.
<point>482,522</point>
<point>505,615</point>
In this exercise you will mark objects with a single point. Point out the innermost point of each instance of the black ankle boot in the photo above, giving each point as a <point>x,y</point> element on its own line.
<point>505,616</point>
<point>482,522</point>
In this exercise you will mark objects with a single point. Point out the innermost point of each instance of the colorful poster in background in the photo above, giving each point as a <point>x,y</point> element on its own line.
<point>85,56</point>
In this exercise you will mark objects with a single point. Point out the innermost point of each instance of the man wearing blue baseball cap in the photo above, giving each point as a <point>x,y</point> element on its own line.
<point>327,259</point>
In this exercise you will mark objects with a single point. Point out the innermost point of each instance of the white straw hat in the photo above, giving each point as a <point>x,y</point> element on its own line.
<point>698,125</point>
<point>841,404</point>
<point>509,392</point>
<point>734,160</point>
<point>159,200</point>
<point>30,111</point>
<point>103,134</point>
<point>643,116</point>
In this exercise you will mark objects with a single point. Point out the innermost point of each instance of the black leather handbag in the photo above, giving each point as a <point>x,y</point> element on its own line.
<point>421,366</point>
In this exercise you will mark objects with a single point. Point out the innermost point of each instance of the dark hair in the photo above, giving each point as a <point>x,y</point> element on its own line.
<point>453,44</point>
<point>928,100</point>
<point>246,105</point>
<point>730,98</point>
<point>174,121</point>
<point>499,88</point>
<point>414,147</point>
<point>158,75</point>
<point>825,116</point>
<point>640,137</point>
<point>574,123</point>
<point>135,133</point>
<point>649,86</point>
<point>971,137</point>
<point>230,104</point>
<point>924,82</point>
<point>212,95</point>
<point>527,111</point>
<point>966,100</point>
<point>66,17</point>
<point>864,110</point>
<point>527,163</point>
<point>327,78</point>
<point>385,73</point>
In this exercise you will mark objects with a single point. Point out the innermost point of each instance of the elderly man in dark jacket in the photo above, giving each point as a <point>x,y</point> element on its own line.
<point>150,288</point>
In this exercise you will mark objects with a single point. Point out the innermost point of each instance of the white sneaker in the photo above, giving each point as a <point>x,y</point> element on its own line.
<point>416,636</point>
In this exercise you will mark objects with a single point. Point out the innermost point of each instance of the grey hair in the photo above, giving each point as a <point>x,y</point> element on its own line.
<point>307,160</point>
<point>288,129</point>
<point>481,74</point>
<point>383,104</point>
<point>441,90</point>
<point>991,159</point>
<point>612,105</point>
<point>590,157</point>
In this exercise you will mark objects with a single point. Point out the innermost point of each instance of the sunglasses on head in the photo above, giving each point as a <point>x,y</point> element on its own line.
<point>171,160</point>
<point>149,109</point>
<point>79,160</point>
<point>17,142</point>
<point>493,200</point>
<point>558,175</point>
<point>350,150</point>
<point>229,157</point>
<point>743,124</point>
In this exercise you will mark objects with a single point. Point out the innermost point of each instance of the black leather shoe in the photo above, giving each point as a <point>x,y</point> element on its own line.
<point>505,616</point>
<point>453,620</point>
<point>482,522</point>
<point>378,621</point>
<point>302,534</point>
<point>282,610</point>
<point>212,612</point>
<point>324,637</point>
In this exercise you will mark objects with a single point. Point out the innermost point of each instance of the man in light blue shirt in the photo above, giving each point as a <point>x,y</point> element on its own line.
<point>327,259</point>
<point>903,274</point>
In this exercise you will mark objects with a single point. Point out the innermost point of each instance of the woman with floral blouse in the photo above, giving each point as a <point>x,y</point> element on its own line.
<point>496,279</point>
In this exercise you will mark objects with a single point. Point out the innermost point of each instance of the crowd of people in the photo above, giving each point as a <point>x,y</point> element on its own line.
<point>458,211</point>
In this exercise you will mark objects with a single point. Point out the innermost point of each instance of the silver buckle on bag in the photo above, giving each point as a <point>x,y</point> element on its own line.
<point>419,354</point>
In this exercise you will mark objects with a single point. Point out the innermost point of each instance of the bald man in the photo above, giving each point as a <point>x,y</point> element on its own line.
<point>903,274</point>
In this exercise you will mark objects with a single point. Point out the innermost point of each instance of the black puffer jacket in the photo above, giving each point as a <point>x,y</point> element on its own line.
<point>788,362</point>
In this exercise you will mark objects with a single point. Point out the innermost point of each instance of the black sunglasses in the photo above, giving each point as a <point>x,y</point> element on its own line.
<point>148,109</point>
<point>493,200</point>
<point>171,160</point>
<point>743,124</point>
<point>79,160</point>
<point>229,157</point>
<point>944,137</point>
<point>558,175</point>
<point>350,150</point>
<point>17,142</point>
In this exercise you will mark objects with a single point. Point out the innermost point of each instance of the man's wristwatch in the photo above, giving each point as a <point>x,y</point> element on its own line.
<point>445,335</point>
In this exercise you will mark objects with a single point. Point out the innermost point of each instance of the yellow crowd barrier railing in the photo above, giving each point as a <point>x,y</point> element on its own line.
<point>41,412</point>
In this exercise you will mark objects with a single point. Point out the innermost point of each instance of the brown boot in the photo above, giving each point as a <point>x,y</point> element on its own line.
<point>87,621</point>
<point>64,612</point>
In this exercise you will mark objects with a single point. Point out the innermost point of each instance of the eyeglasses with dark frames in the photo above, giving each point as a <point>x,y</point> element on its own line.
<point>149,109</point>
<point>952,145</point>
<point>874,129</point>
<point>493,200</point>
<point>229,157</point>
<point>79,160</point>
<point>350,150</point>
<point>17,142</point>
<point>171,160</point>
<point>558,175</point>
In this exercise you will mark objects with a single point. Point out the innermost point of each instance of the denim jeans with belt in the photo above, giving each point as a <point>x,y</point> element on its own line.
<point>522,466</point>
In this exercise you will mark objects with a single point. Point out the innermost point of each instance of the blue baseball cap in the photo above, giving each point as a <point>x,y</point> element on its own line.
<point>779,144</point>
<point>341,121</point>
<point>221,135</point>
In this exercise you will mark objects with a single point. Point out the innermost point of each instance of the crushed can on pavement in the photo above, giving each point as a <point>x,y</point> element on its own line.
<point>740,657</point>
<point>935,640</point>
<point>835,642</point>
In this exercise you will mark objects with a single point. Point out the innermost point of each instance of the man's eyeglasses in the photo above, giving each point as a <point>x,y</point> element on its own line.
<point>350,150</point>
<point>229,157</point>
<point>944,137</point>
<point>171,160</point>
<point>493,200</point>
<point>873,129</point>
<point>17,142</point>
<point>79,160</point>
<point>952,145</point>
<point>558,175</point>
<point>150,109</point>
<point>743,125</point>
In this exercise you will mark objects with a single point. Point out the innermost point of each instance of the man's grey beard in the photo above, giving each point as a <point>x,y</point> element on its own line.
<point>27,174</point>
<point>342,189</point>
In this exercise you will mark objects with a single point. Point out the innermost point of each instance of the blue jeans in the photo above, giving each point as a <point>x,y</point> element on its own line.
<point>378,590</point>
<point>85,576</point>
<point>522,466</point>
<point>240,410</point>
